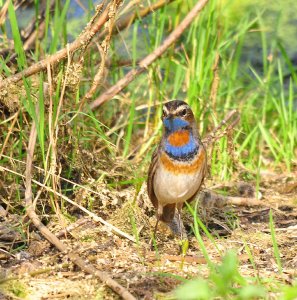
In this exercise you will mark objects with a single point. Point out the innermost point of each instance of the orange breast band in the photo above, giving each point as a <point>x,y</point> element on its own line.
<point>178,168</point>
<point>179,138</point>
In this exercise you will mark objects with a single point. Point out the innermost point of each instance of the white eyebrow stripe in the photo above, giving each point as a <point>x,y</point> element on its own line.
<point>180,108</point>
<point>165,109</point>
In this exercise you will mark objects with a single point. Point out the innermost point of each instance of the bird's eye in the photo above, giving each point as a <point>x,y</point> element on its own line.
<point>163,114</point>
<point>184,112</point>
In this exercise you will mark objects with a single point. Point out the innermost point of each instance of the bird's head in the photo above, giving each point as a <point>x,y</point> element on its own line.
<point>177,115</point>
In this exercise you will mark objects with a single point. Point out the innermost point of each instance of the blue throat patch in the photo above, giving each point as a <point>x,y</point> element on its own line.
<point>175,124</point>
<point>184,151</point>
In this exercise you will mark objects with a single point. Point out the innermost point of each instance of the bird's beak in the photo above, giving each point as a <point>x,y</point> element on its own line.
<point>169,117</point>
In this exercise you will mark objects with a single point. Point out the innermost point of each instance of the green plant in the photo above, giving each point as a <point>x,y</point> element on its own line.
<point>223,281</point>
<point>274,242</point>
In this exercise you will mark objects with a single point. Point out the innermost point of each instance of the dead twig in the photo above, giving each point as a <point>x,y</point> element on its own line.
<point>241,201</point>
<point>292,228</point>
<point>7,253</point>
<point>72,226</point>
<point>210,200</point>
<point>32,274</point>
<point>129,19</point>
<point>3,12</point>
<point>103,48</point>
<point>148,60</point>
<point>10,130</point>
<point>120,290</point>
<point>82,41</point>
<point>230,121</point>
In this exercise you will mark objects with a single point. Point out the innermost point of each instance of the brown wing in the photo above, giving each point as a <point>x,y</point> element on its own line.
<point>169,209</point>
<point>150,178</point>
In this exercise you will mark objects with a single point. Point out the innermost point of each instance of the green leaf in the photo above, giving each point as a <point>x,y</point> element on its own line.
<point>290,292</point>
<point>18,45</point>
<point>251,292</point>
<point>196,289</point>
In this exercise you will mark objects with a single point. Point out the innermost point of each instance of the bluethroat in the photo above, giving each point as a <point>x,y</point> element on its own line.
<point>178,165</point>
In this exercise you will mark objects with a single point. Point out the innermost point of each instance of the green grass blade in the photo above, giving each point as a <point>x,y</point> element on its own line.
<point>274,243</point>
<point>18,45</point>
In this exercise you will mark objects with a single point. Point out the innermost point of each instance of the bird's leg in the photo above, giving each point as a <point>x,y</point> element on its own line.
<point>184,243</point>
<point>182,231</point>
<point>156,226</point>
<point>180,223</point>
<point>159,213</point>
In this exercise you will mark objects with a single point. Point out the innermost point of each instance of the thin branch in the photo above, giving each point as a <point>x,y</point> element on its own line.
<point>10,130</point>
<point>209,199</point>
<point>106,279</point>
<point>32,274</point>
<point>241,201</point>
<point>72,226</point>
<point>7,253</point>
<point>3,12</point>
<point>130,18</point>
<point>103,49</point>
<point>83,40</point>
<point>148,60</point>
<point>230,121</point>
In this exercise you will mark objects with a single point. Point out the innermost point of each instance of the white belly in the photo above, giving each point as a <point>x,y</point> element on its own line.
<point>172,188</point>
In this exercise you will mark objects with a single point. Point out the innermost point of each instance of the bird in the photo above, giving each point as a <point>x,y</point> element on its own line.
<point>178,166</point>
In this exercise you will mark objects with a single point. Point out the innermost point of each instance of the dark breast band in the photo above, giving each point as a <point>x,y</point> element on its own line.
<point>184,157</point>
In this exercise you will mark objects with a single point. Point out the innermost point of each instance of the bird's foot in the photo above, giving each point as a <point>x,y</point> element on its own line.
<point>177,228</point>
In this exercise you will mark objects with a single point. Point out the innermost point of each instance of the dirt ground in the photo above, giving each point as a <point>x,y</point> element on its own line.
<point>39,271</point>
